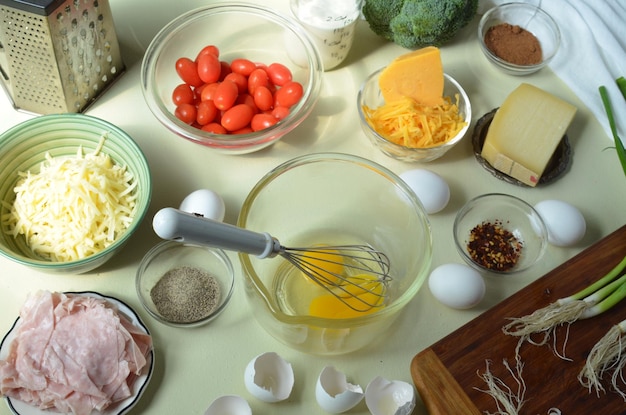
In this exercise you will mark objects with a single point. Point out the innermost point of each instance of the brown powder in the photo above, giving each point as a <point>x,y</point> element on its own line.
<point>513,44</point>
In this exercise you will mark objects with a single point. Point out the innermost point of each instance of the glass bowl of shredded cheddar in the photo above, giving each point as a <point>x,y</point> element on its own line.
<point>408,130</point>
<point>73,189</point>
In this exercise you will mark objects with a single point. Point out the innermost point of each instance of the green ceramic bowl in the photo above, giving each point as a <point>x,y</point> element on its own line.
<point>23,148</point>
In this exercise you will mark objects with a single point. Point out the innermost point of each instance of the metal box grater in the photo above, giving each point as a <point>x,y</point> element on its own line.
<point>57,56</point>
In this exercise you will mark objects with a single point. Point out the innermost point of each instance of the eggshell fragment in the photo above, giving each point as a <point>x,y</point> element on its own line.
<point>269,377</point>
<point>566,224</point>
<point>430,188</point>
<point>204,202</point>
<point>384,397</point>
<point>333,392</point>
<point>229,405</point>
<point>457,285</point>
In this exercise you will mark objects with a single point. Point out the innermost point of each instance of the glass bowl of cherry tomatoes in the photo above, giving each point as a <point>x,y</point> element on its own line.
<point>233,77</point>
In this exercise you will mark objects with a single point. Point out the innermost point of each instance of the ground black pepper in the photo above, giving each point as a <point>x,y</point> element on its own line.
<point>494,247</point>
<point>185,294</point>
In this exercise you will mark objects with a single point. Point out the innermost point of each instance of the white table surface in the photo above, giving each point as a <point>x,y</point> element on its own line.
<point>195,366</point>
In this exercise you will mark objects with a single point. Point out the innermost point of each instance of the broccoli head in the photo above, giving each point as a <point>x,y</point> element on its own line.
<point>417,23</point>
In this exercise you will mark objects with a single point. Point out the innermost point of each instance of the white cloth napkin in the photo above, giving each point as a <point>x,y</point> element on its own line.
<point>592,51</point>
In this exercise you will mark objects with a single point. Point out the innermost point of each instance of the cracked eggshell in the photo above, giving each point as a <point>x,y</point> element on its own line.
<point>384,397</point>
<point>333,392</point>
<point>229,405</point>
<point>269,377</point>
<point>204,202</point>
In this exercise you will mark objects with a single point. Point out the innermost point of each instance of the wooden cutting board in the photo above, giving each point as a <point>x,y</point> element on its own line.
<point>447,373</point>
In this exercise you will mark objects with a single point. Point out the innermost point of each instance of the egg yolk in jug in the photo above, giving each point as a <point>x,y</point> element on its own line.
<point>360,295</point>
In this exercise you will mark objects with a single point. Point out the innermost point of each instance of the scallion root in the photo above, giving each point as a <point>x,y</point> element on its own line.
<point>608,354</point>
<point>508,401</point>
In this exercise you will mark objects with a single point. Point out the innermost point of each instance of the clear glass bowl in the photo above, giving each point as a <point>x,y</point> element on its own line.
<point>24,148</point>
<point>514,215</point>
<point>168,255</point>
<point>370,95</point>
<point>529,17</point>
<point>331,198</point>
<point>239,30</point>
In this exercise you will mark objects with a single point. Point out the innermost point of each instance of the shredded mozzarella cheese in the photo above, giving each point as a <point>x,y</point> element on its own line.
<point>411,124</point>
<point>74,207</point>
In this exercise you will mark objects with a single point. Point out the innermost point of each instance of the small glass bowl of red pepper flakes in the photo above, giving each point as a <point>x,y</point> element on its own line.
<point>499,233</point>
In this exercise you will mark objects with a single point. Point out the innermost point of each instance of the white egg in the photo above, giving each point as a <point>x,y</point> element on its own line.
<point>431,189</point>
<point>333,392</point>
<point>566,224</point>
<point>229,405</point>
<point>204,202</point>
<point>457,285</point>
<point>269,377</point>
<point>384,397</point>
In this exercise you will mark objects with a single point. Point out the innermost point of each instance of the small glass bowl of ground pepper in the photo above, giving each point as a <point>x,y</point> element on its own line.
<point>518,38</point>
<point>184,285</point>
<point>499,233</point>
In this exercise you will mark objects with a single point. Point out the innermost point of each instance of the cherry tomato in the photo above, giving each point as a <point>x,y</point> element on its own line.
<point>244,130</point>
<point>209,68</point>
<point>225,95</point>
<point>263,98</point>
<point>188,71</point>
<point>210,49</point>
<point>257,78</point>
<point>208,92</point>
<point>237,117</point>
<point>225,70</point>
<point>214,128</point>
<point>183,94</point>
<point>206,112</point>
<point>239,80</point>
<point>279,74</point>
<point>186,113</point>
<point>242,66</point>
<point>280,112</point>
<point>288,95</point>
<point>262,121</point>
<point>248,100</point>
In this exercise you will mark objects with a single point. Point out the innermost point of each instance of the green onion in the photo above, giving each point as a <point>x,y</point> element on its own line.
<point>619,146</point>
<point>621,84</point>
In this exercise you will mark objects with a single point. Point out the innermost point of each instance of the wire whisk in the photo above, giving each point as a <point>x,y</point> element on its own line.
<point>357,275</point>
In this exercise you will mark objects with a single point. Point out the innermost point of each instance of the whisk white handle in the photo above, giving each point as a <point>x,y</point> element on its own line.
<point>176,225</point>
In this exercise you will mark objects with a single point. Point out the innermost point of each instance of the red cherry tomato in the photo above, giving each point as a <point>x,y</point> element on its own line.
<point>248,100</point>
<point>242,66</point>
<point>263,98</point>
<point>280,112</point>
<point>257,78</point>
<point>206,112</point>
<point>239,80</point>
<point>225,95</point>
<point>210,49</point>
<point>288,95</point>
<point>214,128</point>
<point>262,121</point>
<point>188,72</point>
<point>208,92</point>
<point>209,68</point>
<point>186,113</point>
<point>237,117</point>
<point>225,70</point>
<point>183,94</point>
<point>244,130</point>
<point>279,74</point>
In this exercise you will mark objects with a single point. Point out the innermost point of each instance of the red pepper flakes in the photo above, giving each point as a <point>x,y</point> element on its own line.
<point>494,247</point>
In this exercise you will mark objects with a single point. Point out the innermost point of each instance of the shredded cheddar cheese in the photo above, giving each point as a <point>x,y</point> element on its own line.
<point>74,207</point>
<point>408,123</point>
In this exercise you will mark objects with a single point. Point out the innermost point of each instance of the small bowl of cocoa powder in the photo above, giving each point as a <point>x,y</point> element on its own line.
<point>184,285</point>
<point>499,233</point>
<point>518,38</point>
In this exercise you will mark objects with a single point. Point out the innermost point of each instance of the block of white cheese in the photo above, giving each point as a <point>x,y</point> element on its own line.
<point>525,132</point>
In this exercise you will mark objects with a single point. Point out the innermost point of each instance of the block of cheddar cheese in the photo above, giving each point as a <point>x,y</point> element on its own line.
<point>418,75</point>
<point>525,132</point>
